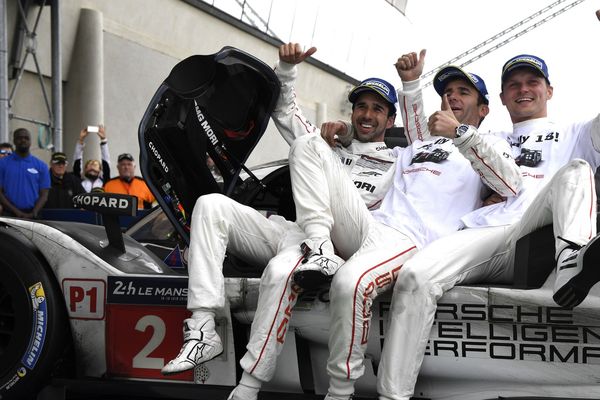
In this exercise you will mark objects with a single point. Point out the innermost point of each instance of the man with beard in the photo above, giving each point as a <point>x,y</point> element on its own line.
<point>95,173</point>
<point>220,224</point>
<point>24,179</point>
<point>128,183</point>
<point>443,174</point>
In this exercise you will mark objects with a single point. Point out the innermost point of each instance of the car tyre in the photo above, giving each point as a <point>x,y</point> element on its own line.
<point>33,322</point>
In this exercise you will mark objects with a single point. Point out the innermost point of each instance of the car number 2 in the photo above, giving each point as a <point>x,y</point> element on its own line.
<point>142,338</point>
<point>142,359</point>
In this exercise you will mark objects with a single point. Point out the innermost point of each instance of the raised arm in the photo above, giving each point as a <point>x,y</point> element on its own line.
<point>287,115</point>
<point>78,153</point>
<point>104,153</point>
<point>410,98</point>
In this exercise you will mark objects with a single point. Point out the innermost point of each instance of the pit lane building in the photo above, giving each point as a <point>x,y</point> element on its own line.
<point>101,61</point>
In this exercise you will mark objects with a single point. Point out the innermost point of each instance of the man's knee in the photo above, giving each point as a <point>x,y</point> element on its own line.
<point>212,204</point>
<point>579,166</point>
<point>343,286</point>
<point>276,272</point>
<point>412,278</point>
<point>347,285</point>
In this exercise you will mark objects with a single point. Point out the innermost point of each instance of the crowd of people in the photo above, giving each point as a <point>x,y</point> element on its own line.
<point>398,213</point>
<point>28,185</point>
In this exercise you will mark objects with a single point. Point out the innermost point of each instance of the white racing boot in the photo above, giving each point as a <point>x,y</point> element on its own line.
<point>201,343</point>
<point>577,270</point>
<point>319,265</point>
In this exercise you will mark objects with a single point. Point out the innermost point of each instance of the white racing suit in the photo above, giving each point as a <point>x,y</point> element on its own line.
<point>558,188</point>
<point>437,181</point>
<point>220,224</point>
<point>429,173</point>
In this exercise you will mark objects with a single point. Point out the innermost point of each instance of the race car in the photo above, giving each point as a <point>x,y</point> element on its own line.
<point>435,156</point>
<point>529,158</point>
<point>86,307</point>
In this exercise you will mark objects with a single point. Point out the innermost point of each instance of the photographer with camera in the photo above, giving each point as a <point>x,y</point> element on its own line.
<point>95,173</point>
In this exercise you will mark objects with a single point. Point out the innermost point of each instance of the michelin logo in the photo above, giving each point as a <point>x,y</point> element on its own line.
<point>36,343</point>
<point>378,85</point>
<point>529,60</point>
<point>448,74</point>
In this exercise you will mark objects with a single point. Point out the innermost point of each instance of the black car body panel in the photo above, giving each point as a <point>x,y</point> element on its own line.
<point>215,106</point>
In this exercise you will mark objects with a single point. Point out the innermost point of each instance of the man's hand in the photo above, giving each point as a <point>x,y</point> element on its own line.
<point>443,122</point>
<point>101,132</point>
<point>493,199</point>
<point>21,214</point>
<point>292,53</point>
<point>329,130</point>
<point>82,135</point>
<point>410,66</point>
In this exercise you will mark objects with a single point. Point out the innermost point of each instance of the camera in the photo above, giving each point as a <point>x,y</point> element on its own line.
<point>92,129</point>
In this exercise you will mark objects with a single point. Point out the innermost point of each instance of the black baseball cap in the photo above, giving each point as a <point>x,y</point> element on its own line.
<point>58,158</point>
<point>378,86</point>
<point>526,60</point>
<point>125,156</point>
<point>451,72</point>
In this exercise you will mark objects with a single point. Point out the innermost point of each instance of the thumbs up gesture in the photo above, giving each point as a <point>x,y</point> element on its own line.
<point>443,122</point>
<point>410,66</point>
<point>292,53</point>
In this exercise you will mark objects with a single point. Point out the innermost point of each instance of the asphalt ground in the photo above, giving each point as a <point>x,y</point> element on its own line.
<point>97,389</point>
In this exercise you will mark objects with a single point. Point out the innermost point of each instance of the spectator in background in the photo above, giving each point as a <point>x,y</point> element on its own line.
<point>5,149</point>
<point>95,174</point>
<point>24,179</point>
<point>64,185</point>
<point>128,183</point>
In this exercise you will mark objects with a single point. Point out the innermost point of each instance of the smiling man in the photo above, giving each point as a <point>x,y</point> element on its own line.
<point>439,177</point>
<point>558,188</point>
<point>220,224</point>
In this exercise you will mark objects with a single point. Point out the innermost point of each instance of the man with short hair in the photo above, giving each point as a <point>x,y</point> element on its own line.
<point>24,179</point>
<point>128,183</point>
<point>5,149</point>
<point>65,184</point>
<point>558,188</point>
<point>220,224</point>
<point>439,177</point>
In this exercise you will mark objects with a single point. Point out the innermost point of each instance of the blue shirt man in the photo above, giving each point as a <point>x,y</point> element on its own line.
<point>24,179</point>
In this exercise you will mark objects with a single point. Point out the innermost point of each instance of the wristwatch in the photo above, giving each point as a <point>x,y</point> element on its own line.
<point>462,129</point>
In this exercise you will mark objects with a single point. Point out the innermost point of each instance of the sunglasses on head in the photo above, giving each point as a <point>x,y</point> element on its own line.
<point>5,152</point>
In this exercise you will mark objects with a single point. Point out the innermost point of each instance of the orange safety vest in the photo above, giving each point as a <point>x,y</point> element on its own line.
<point>137,187</point>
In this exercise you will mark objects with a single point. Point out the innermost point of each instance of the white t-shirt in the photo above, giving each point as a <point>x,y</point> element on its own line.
<point>438,180</point>
<point>541,147</point>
